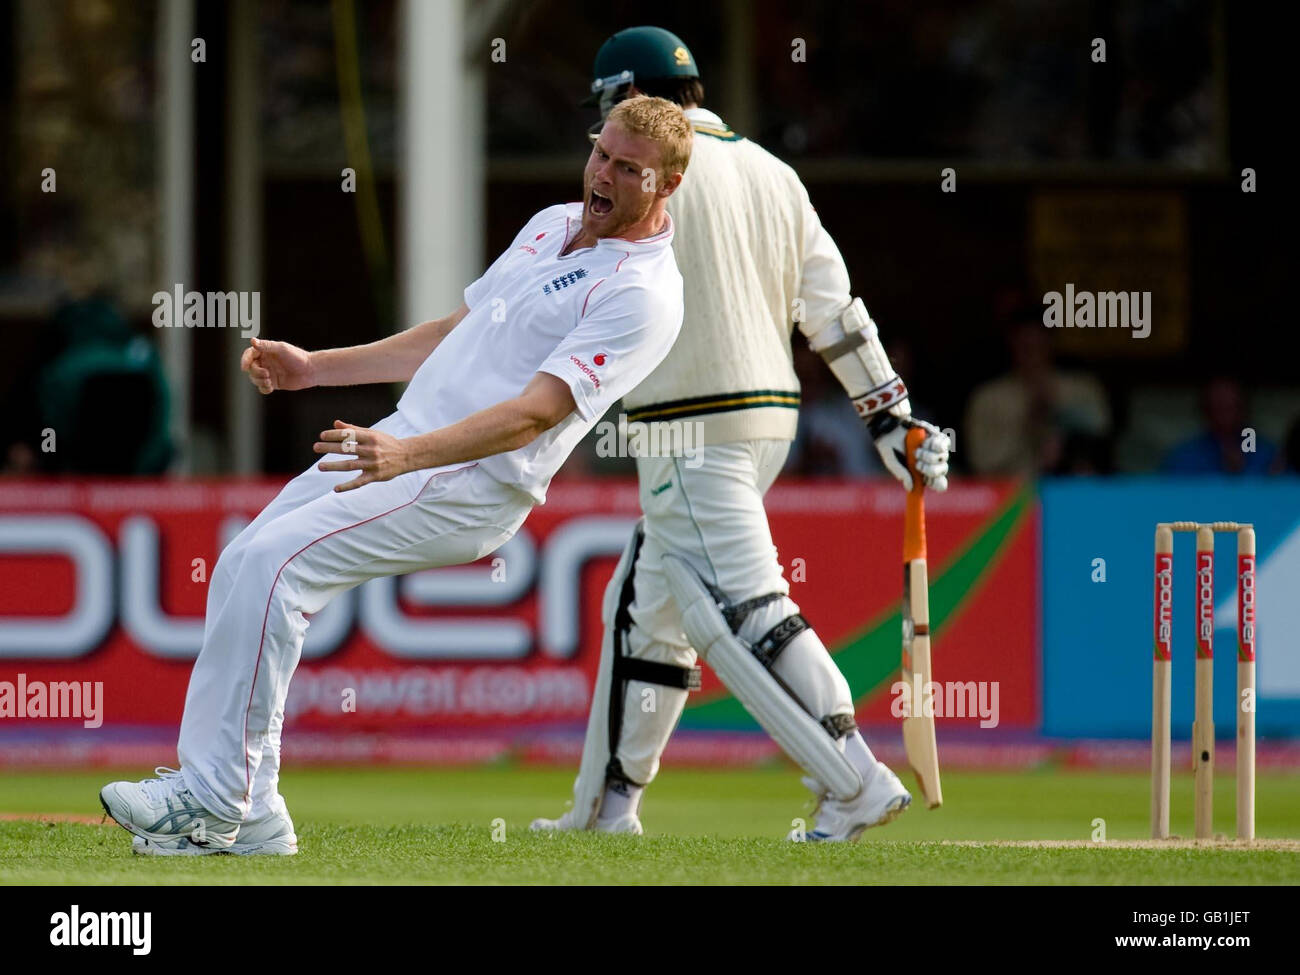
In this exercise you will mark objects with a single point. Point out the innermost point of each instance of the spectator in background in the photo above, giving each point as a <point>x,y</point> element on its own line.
<point>91,365</point>
<point>1223,447</point>
<point>1038,418</point>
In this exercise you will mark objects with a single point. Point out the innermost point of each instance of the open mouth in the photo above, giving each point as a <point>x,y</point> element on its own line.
<point>600,205</point>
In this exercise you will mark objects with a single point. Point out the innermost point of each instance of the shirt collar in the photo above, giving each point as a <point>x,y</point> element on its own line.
<point>704,115</point>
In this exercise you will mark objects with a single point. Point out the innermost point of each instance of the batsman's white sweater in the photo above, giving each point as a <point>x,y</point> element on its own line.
<point>741,214</point>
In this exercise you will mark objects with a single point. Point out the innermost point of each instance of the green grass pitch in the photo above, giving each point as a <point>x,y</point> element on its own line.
<point>434,826</point>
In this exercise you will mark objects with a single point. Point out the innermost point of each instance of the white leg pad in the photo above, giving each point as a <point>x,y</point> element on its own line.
<point>805,665</point>
<point>589,787</point>
<point>790,726</point>
<point>650,710</point>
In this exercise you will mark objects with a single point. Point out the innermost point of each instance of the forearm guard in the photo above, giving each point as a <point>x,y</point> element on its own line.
<point>850,344</point>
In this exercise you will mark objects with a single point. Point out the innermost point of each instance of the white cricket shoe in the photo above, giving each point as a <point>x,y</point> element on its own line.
<point>629,823</point>
<point>165,812</point>
<point>271,834</point>
<point>882,800</point>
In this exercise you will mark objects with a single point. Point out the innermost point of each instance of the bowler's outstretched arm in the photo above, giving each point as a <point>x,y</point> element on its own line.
<point>280,365</point>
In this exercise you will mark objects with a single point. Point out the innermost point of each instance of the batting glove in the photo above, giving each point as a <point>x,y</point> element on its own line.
<point>890,433</point>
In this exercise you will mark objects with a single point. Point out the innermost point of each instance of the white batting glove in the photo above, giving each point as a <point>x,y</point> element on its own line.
<point>890,433</point>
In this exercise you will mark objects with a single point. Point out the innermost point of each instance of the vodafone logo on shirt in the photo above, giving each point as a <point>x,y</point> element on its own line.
<point>532,250</point>
<point>588,371</point>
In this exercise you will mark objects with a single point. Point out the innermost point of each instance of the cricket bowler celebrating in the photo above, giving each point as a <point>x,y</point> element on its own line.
<point>701,572</point>
<point>583,304</point>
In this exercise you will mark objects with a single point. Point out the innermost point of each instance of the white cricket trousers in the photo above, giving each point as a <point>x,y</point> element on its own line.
<point>710,513</point>
<point>306,547</point>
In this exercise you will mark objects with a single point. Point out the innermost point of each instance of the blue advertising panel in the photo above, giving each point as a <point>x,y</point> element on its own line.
<point>1098,598</point>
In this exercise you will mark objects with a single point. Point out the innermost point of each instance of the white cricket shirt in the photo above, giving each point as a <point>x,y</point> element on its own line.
<point>600,318</point>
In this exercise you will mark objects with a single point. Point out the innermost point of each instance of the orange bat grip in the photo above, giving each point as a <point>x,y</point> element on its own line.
<point>914,510</point>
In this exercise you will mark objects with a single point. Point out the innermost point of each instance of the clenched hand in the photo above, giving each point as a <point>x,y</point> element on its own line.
<point>277,365</point>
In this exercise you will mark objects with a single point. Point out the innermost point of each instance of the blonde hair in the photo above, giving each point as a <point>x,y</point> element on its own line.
<point>660,120</point>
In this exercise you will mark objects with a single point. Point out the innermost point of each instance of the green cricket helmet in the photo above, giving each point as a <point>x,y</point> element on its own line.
<point>637,52</point>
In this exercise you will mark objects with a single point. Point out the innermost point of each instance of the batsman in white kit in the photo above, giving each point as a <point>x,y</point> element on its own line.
<point>581,306</point>
<point>700,574</point>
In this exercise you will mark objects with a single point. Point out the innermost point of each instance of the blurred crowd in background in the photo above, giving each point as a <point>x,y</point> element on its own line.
<point>885,96</point>
<point>1039,417</point>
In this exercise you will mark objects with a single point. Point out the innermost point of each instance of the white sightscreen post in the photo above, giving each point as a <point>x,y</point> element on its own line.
<point>474,164</point>
<point>243,230</point>
<point>174,116</point>
<point>440,169</point>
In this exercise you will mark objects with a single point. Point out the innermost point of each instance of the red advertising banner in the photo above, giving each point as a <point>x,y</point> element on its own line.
<point>104,582</point>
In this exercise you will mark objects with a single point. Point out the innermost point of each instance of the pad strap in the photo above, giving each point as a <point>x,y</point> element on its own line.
<point>769,647</point>
<point>843,347</point>
<point>737,614</point>
<point>652,672</point>
<point>839,725</point>
<point>616,778</point>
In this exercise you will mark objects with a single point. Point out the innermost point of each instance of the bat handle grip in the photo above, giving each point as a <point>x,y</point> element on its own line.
<point>915,437</point>
<point>914,509</point>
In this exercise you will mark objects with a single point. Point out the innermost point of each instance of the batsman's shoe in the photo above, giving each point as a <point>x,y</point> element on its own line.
<point>270,835</point>
<point>165,812</point>
<point>882,800</point>
<point>623,824</point>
